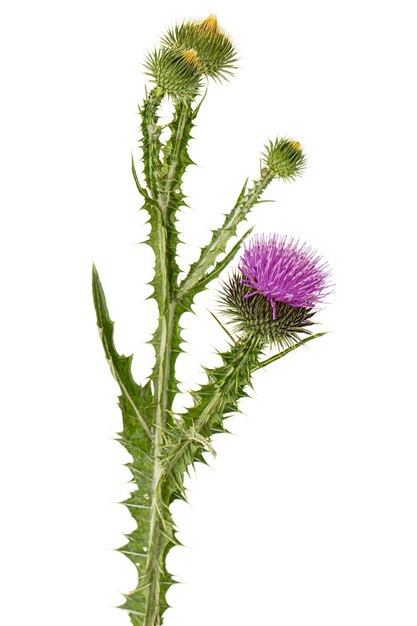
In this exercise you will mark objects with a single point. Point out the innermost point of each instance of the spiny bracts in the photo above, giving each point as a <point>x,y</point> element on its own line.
<point>285,158</point>
<point>254,316</point>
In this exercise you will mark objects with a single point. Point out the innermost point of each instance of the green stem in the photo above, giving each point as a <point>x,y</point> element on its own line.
<point>194,280</point>
<point>222,235</point>
<point>163,350</point>
<point>163,374</point>
<point>151,143</point>
<point>230,379</point>
<point>184,115</point>
<point>163,180</point>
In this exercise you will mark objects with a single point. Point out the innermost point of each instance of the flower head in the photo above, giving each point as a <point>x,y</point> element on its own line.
<point>274,293</point>
<point>283,270</point>
<point>254,315</point>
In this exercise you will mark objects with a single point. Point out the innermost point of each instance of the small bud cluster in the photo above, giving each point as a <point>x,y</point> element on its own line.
<point>190,52</point>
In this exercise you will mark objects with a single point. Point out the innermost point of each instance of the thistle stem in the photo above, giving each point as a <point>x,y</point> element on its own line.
<point>183,114</point>
<point>164,363</point>
<point>241,361</point>
<point>220,238</point>
<point>155,564</point>
<point>151,143</point>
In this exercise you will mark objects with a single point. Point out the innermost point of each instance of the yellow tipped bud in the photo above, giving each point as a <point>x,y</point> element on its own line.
<point>210,24</point>
<point>203,46</point>
<point>190,56</point>
<point>284,158</point>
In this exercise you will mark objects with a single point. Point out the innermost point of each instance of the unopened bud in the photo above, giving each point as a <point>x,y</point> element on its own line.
<point>190,56</point>
<point>284,158</point>
<point>296,145</point>
<point>204,46</point>
<point>210,24</point>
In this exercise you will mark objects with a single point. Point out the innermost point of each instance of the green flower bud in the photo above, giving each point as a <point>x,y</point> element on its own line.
<point>176,72</point>
<point>284,158</point>
<point>210,24</point>
<point>215,51</point>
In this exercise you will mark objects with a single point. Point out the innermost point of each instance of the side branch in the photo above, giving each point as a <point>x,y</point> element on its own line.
<point>151,143</point>
<point>197,276</point>
<point>175,162</point>
<point>212,402</point>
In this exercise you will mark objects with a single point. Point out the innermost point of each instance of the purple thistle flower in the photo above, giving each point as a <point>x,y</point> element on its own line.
<point>282,270</point>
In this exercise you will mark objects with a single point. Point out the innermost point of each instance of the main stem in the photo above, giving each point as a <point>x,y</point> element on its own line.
<point>165,191</point>
<point>168,320</point>
<point>155,563</point>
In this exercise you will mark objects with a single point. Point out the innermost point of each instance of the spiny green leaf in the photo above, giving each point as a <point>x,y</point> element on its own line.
<point>190,437</point>
<point>152,516</point>
<point>139,187</point>
<point>217,245</point>
<point>221,265</point>
<point>133,396</point>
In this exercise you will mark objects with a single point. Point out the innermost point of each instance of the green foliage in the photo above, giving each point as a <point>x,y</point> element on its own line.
<point>135,400</point>
<point>162,445</point>
<point>207,267</point>
<point>190,436</point>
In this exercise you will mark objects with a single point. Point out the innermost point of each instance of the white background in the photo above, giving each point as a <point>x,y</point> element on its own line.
<point>309,516</point>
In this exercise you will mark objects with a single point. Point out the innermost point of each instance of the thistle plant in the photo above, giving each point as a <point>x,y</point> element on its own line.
<point>270,290</point>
